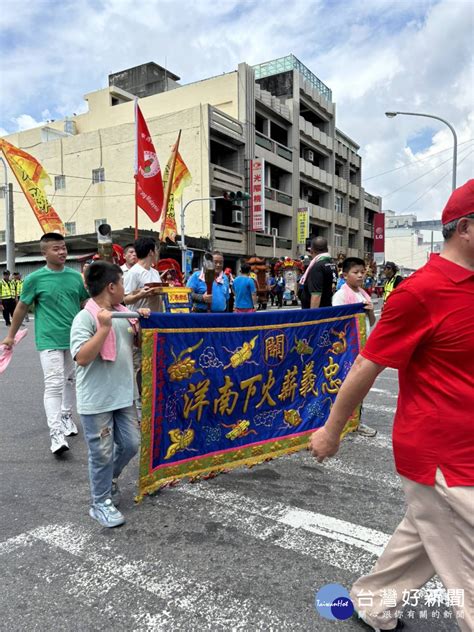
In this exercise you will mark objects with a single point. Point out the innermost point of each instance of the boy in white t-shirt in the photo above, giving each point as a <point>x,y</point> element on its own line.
<point>353,270</point>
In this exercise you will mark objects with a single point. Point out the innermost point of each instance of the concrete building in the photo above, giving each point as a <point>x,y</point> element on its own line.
<point>409,242</point>
<point>279,111</point>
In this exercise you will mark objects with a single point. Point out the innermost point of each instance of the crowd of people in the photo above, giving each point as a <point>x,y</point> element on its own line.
<point>58,293</point>
<point>427,337</point>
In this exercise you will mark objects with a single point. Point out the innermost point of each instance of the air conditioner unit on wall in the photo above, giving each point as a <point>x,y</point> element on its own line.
<point>309,155</point>
<point>237,217</point>
<point>274,232</point>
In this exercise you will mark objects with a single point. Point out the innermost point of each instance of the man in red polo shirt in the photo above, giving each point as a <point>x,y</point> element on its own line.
<point>433,432</point>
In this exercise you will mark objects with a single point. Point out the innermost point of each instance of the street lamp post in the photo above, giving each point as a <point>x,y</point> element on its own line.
<point>182,244</point>
<point>9,223</point>
<point>438,118</point>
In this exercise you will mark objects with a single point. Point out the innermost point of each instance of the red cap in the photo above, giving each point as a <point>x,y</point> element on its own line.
<point>460,204</point>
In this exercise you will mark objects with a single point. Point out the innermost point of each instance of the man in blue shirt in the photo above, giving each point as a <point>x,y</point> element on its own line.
<point>245,291</point>
<point>220,288</point>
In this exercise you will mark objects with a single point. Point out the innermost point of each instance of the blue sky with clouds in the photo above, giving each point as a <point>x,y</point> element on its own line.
<point>375,55</point>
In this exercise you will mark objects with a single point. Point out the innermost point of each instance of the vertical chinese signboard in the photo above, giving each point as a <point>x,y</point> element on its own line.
<point>302,226</point>
<point>379,237</point>
<point>257,195</point>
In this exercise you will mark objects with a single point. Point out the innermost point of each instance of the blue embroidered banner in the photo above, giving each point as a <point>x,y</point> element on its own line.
<point>224,390</point>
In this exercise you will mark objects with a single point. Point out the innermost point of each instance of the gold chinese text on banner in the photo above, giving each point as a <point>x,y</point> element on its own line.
<point>31,177</point>
<point>222,391</point>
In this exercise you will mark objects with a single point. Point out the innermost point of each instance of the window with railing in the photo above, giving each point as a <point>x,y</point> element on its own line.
<point>338,237</point>
<point>339,204</point>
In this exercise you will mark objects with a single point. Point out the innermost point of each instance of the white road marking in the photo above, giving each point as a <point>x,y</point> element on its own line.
<point>379,441</point>
<point>380,409</point>
<point>382,391</point>
<point>14,543</point>
<point>184,594</point>
<point>388,377</point>
<point>350,533</point>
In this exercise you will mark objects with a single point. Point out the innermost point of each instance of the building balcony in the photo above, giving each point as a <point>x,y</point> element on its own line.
<point>341,149</point>
<point>341,219</point>
<point>226,125</point>
<point>341,184</point>
<point>272,145</point>
<point>354,159</point>
<point>230,239</point>
<point>372,202</point>
<point>264,240</point>
<point>354,191</point>
<point>352,252</point>
<point>226,179</point>
<point>273,103</point>
<point>278,202</point>
<point>315,134</point>
<point>353,223</point>
<point>279,196</point>
<point>315,95</point>
<point>315,173</point>
<point>317,212</point>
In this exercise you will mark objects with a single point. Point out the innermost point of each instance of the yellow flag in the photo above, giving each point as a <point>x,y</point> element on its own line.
<point>181,179</point>
<point>32,177</point>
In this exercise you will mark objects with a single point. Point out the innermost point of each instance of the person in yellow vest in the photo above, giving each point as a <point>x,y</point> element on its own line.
<point>393,279</point>
<point>18,290</point>
<point>7,297</point>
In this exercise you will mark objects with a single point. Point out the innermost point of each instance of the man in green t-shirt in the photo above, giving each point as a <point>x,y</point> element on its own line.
<point>57,293</point>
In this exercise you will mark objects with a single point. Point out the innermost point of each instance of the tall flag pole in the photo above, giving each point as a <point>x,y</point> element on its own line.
<point>181,178</point>
<point>169,183</point>
<point>149,182</point>
<point>32,177</point>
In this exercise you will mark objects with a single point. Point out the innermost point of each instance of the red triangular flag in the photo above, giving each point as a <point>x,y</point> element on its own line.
<point>149,189</point>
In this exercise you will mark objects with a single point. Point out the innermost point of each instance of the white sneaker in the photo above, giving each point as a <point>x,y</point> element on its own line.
<point>106,514</point>
<point>69,428</point>
<point>58,443</point>
<point>366,431</point>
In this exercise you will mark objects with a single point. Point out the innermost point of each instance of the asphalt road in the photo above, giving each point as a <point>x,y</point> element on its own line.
<point>245,551</point>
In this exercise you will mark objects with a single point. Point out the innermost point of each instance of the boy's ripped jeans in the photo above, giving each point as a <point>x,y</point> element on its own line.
<point>112,439</point>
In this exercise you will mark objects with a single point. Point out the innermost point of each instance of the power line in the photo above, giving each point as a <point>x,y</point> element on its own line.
<point>436,183</point>
<point>419,177</point>
<point>77,208</point>
<point>409,164</point>
<point>89,178</point>
<point>65,195</point>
